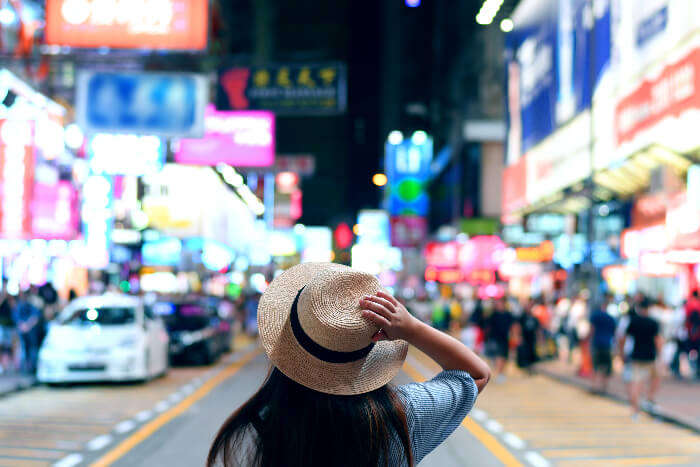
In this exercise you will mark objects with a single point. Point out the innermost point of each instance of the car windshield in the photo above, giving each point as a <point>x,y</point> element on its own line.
<point>108,316</point>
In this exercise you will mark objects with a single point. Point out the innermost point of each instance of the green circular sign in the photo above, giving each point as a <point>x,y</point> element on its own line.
<point>409,189</point>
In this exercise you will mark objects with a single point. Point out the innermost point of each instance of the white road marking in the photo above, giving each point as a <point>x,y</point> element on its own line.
<point>188,389</point>
<point>197,381</point>
<point>177,397</point>
<point>98,443</point>
<point>536,460</point>
<point>69,461</point>
<point>493,426</point>
<point>143,415</point>
<point>126,425</point>
<point>162,406</point>
<point>513,441</point>
<point>479,415</point>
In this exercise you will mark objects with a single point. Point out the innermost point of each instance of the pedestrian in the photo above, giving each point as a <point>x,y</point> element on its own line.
<point>498,327</point>
<point>603,326</point>
<point>335,342</point>
<point>7,334</point>
<point>692,326</point>
<point>647,345</point>
<point>527,329</point>
<point>27,318</point>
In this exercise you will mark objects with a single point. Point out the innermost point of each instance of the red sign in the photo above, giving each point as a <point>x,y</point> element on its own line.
<point>16,177</point>
<point>130,24</point>
<point>482,253</point>
<point>683,223</point>
<point>649,210</point>
<point>442,255</point>
<point>514,186</point>
<point>408,231</point>
<point>675,90</point>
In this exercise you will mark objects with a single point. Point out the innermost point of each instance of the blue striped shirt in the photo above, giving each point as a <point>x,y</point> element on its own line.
<point>434,410</point>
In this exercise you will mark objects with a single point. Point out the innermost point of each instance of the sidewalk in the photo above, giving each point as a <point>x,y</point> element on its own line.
<point>677,401</point>
<point>14,382</point>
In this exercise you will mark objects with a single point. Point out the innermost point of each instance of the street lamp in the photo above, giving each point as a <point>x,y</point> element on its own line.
<point>379,179</point>
<point>395,137</point>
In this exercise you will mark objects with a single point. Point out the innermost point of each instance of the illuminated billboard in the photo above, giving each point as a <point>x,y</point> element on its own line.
<point>237,138</point>
<point>129,24</point>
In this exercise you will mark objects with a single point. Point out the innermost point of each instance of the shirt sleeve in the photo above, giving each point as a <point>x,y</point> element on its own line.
<point>434,409</point>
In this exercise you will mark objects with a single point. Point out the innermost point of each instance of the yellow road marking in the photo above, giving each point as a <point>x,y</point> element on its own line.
<point>639,461</point>
<point>148,429</point>
<point>484,437</point>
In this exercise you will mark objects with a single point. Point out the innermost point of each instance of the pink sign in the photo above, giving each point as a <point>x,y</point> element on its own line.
<point>55,211</point>
<point>408,231</point>
<point>238,138</point>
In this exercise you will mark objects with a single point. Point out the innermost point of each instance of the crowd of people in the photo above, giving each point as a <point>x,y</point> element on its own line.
<point>640,338</point>
<point>23,324</point>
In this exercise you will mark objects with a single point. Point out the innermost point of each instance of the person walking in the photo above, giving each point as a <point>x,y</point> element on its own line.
<point>7,334</point>
<point>692,328</point>
<point>647,345</point>
<point>27,318</point>
<point>527,329</point>
<point>603,326</point>
<point>335,341</point>
<point>498,327</point>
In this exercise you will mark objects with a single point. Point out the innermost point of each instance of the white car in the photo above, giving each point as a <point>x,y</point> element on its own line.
<point>110,337</point>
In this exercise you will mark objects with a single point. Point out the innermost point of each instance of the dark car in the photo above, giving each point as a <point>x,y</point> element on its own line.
<point>197,334</point>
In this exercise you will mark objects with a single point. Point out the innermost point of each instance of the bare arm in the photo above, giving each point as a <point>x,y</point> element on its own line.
<point>397,323</point>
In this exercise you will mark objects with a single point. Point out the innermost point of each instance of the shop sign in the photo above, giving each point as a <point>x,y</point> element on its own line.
<point>317,244</point>
<point>636,241</point>
<point>237,138</point>
<point>683,223</point>
<point>655,264</point>
<point>55,213</point>
<point>514,182</point>
<point>443,276</point>
<point>373,225</point>
<point>669,94</point>
<point>442,255</point>
<point>481,253</point>
<point>549,224</point>
<point>478,226</point>
<point>161,104</point>
<point>541,253</point>
<point>569,250</point>
<point>115,154</point>
<point>96,213</point>
<point>408,231</point>
<point>300,89</point>
<point>407,166</point>
<point>561,160</point>
<point>16,177</point>
<point>649,210</point>
<point>131,24</point>
<point>163,252</point>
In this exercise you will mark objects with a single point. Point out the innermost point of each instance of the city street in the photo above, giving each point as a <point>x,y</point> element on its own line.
<point>170,421</point>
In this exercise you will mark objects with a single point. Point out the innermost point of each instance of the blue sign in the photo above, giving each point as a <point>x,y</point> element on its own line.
<point>560,54</point>
<point>161,104</point>
<point>164,252</point>
<point>652,26</point>
<point>407,167</point>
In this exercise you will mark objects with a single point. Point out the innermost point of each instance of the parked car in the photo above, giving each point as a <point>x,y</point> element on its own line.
<point>197,333</point>
<point>110,337</point>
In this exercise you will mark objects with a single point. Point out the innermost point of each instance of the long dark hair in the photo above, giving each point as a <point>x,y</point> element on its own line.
<point>285,423</point>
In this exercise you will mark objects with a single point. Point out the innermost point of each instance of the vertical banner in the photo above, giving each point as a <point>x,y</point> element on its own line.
<point>16,177</point>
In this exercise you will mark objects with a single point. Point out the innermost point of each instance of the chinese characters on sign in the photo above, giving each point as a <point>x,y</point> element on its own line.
<point>292,89</point>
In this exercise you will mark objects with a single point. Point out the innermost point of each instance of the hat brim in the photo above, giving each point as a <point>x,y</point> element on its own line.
<point>375,370</point>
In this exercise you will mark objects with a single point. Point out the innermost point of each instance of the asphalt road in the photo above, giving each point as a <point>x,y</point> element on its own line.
<point>528,421</point>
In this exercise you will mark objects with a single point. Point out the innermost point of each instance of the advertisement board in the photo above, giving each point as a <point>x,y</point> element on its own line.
<point>130,24</point>
<point>408,231</point>
<point>115,154</point>
<point>16,177</point>
<point>160,104</point>
<point>373,227</point>
<point>237,138</point>
<point>514,182</point>
<point>55,213</point>
<point>407,166</point>
<point>312,88</point>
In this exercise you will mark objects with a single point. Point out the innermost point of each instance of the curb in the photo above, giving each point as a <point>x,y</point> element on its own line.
<point>659,412</point>
<point>19,386</point>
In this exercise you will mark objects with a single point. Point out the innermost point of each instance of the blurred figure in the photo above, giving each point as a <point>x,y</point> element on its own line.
<point>251,313</point>
<point>441,314</point>
<point>603,327</point>
<point>7,333</point>
<point>420,307</point>
<point>647,345</point>
<point>27,318</point>
<point>527,329</point>
<point>498,327</point>
<point>692,327</point>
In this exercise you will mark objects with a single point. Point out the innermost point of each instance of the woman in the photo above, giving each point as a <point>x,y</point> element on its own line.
<point>336,341</point>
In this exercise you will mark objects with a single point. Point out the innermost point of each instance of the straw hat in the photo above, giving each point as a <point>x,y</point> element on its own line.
<point>312,329</point>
